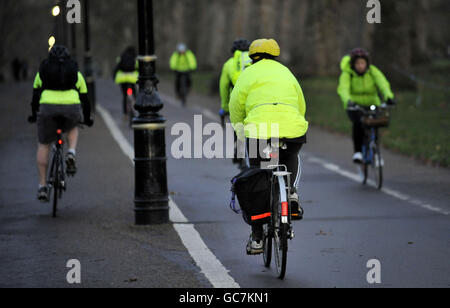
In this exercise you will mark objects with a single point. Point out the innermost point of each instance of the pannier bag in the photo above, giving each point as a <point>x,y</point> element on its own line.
<point>252,188</point>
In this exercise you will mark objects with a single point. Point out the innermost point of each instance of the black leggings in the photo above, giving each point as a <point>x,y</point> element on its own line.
<point>358,129</point>
<point>290,157</point>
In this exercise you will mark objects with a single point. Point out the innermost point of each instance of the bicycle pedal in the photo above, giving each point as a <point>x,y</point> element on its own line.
<point>292,234</point>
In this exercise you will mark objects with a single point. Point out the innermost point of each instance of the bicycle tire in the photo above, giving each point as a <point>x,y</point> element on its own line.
<point>365,171</point>
<point>55,187</point>
<point>130,103</point>
<point>280,237</point>
<point>377,167</point>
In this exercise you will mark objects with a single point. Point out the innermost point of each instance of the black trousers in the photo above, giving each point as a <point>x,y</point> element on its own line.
<point>358,129</point>
<point>290,157</point>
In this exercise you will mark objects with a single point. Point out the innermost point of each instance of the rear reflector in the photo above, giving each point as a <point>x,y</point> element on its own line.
<point>258,217</point>
<point>284,209</point>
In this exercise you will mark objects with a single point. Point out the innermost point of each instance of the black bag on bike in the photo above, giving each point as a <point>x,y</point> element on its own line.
<point>59,75</point>
<point>252,188</point>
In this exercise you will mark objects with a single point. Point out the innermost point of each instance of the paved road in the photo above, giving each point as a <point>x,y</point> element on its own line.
<point>406,228</point>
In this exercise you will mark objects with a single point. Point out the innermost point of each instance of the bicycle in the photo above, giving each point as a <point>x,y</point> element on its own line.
<point>130,102</point>
<point>279,229</point>
<point>373,119</point>
<point>56,180</point>
<point>184,88</point>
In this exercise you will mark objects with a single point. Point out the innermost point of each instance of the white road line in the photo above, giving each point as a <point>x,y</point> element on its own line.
<point>210,266</point>
<point>393,193</point>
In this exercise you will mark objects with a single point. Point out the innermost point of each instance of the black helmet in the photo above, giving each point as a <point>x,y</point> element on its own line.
<point>59,52</point>
<point>241,44</point>
<point>358,53</point>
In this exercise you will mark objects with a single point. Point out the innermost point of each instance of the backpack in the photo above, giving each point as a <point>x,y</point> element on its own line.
<point>242,62</point>
<point>252,188</point>
<point>59,75</point>
<point>127,63</point>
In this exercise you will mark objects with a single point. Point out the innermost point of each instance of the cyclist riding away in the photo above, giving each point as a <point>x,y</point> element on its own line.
<point>267,93</point>
<point>231,71</point>
<point>360,84</point>
<point>126,74</point>
<point>60,92</point>
<point>183,62</point>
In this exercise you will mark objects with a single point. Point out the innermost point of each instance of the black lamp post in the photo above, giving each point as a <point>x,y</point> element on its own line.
<point>151,192</point>
<point>88,67</point>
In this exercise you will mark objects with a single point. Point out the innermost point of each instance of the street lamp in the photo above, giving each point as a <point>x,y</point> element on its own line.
<point>51,42</point>
<point>88,66</point>
<point>56,10</point>
<point>151,192</point>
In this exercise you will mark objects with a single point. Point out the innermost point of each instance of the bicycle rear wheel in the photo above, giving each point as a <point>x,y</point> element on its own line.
<point>56,187</point>
<point>280,234</point>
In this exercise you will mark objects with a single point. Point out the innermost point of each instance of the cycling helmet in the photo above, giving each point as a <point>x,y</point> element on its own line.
<point>240,44</point>
<point>359,53</point>
<point>59,52</point>
<point>181,48</point>
<point>263,47</point>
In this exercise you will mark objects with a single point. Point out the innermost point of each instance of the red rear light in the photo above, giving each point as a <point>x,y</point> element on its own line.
<point>130,91</point>
<point>59,132</point>
<point>284,209</point>
<point>60,142</point>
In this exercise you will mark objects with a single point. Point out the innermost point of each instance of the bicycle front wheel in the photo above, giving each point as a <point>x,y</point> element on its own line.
<point>377,166</point>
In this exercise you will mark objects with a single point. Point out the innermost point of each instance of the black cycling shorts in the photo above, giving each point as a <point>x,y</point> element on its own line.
<point>49,116</point>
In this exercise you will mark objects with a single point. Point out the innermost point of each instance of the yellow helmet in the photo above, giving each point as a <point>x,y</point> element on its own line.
<point>265,46</point>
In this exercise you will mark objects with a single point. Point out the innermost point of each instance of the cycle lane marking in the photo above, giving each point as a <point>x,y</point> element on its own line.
<point>388,191</point>
<point>208,263</point>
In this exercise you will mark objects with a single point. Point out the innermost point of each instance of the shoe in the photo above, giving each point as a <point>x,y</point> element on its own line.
<point>255,243</point>
<point>71,167</point>
<point>43,194</point>
<point>358,158</point>
<point>296,209</point>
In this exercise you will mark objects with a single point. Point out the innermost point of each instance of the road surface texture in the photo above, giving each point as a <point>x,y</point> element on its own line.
<point>406,226</point>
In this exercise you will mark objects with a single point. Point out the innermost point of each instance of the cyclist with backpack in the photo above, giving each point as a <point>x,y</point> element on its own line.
<point>360,84</point>
<point>126,74</point>
<point>60,93</point>
<point>183,62</point>
<point>267,93</point>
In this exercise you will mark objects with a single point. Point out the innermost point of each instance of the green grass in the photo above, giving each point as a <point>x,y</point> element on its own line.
<point>418,130</point>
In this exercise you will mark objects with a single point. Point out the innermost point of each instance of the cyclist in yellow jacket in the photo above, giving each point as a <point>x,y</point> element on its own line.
<point>231,71</point>
<point>60,93</point>
<point>361,84</point>
<point>183,62</point>
<point>268,94</point>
